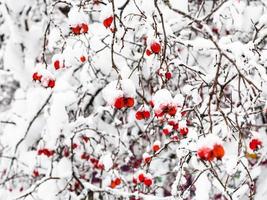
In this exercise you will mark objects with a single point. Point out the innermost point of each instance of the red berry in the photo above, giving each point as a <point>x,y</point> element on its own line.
<point>57,64</point>
<point>84,28</point>
<point>146,114</point>
<point>168,75</point>
<point>76,30</point>
<point>141,177</point>
<point>113,184</point>
<point>218,151</point>
<point>36,77</point>
<point>35,173</point>
<point>255,144</point>
<point>172,110</point>
<point>155,148</point>
<point>155,47</point>
<point>82,59</point>
<point>184,131</point>
<point>51,83</point>
<point>85,138</point>
<point>215,30</point>
<point>205,153</point>
<point>151,103</point>
<point>108,21</point>
<point>129,102</point>
<point>119,103</point>
<point>148,182</point>
<point>139,115</point>
<point>166,131</point>
<point>74,146</point>
<point>117,181</point>
<point>148,52</point>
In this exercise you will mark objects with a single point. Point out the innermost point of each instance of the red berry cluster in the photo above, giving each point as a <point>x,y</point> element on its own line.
<point>122,102</point>
<point>143,178</point>
<point>208,154</point>
<point>114,183</point>
<point>166,109</point>
<point>142,114</point>
<point>46,152</point>
<point>45,81</point>
<point>79,29</point>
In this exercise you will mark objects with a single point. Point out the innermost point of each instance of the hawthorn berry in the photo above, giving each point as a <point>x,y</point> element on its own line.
<point>129,102</point>
<point>205,153</point>
<point>168,75</point>
<point>51,83</point>
<point>155,47</point>
<point>141,177</point>
<point>36,76</point>
<point>184,131</point>
<point>139,115</point>
<point>119,103</point>
<point>57,64</point>
<point>156,146</point>
<point>108,21</point>
<point>82,59</point>
<point>148,182</point>
<point>84,28</point>
<point>255,144</point>
<point>35,173</point>
<point>117,181</point>
<point>76,30</point>
<point>218,151</point>
<point>148,52</point>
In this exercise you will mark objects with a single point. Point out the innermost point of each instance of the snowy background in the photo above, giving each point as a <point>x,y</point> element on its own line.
<point>133,99</point>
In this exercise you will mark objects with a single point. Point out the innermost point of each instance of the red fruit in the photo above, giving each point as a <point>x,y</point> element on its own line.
<point>139,115</point>
<point>134,181</point>
<point>108,21</point>
<point>117,181</point>
<point>155,148</point>
<point>148,52</point>
<point>85,156</point>
<point>215,30</point>
<point>119,103</point>
<point>205,153</point>
<point>147,159</point>
<point>84,28</point>
<point>172,110</point>
<point>168,75</point>
<point>151,103</point>
<point>82,59</point>
<point>141,177</point>
<point>74,146</point>
<point>40,152</point>
<point>36,77</point>
<point>76,30</point>
<point>113,184</point>
<point>146,114</point>
<point>148,182</point>
<point>35,173</point>
<point>85,138</point>
<point>66,152</point>
<point>51,83</point>
<point>184,131</point>
<point>254,144</point>
<point>166,131</point>
<point>155,47</point>
<point>218,151</point>
<point>129,102</point>
<point>57,64</point>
